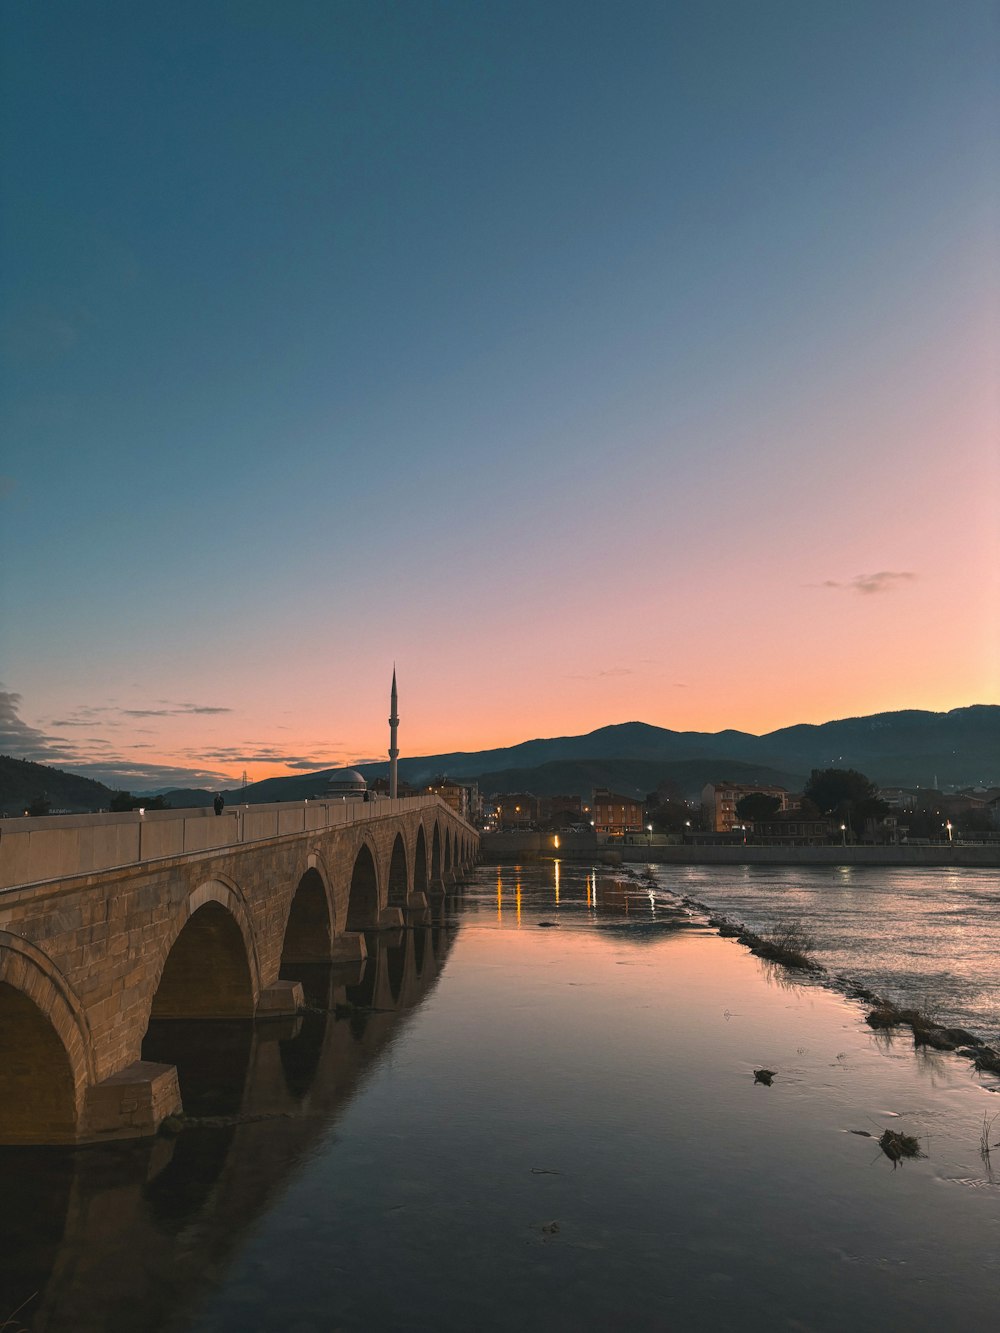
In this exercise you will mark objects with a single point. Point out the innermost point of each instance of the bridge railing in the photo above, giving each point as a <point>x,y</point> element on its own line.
<point>52,847</point>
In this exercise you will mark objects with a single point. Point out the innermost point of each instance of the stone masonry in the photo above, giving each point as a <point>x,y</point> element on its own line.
<point>86,959</point>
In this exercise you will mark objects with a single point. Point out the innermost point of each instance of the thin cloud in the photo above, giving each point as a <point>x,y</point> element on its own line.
<point>174,710</point>
<point>16,737</point>
<point>886,580</point>
<point>597,675</point>
<point>119,773</point>
<point>88,756</point>
<point>268,755</point>
<point>307,765</point>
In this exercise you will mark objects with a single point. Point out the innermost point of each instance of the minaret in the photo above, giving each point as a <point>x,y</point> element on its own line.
<point>393,747</point>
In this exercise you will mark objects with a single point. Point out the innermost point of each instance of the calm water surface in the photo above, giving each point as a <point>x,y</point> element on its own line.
<point>927,938</point>
<point>522,1126</point>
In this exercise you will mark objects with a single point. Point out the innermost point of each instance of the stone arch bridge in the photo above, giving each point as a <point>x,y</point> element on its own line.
<point>111,923</point>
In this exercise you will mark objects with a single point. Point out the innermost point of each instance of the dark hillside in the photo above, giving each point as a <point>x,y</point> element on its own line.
<point>630,777</point>
<point>21,782</point>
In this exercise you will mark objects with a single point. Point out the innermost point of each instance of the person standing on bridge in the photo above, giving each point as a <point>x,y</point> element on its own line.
<point>219,802</point>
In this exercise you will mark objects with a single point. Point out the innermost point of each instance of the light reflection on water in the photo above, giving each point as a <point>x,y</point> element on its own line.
<point>535,1128</point>
<point>926,938</point>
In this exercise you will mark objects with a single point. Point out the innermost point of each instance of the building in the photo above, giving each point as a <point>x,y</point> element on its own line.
<point>720,799</point>
<point>796,832</point>
<point>616,814</point>
<point>514,809</point>
<point>898,798</point>
<point>463,797</point>
<point>380,787</point>
<point>561,810</point>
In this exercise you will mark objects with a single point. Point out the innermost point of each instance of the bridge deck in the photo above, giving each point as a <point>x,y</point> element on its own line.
<point>56,847</point>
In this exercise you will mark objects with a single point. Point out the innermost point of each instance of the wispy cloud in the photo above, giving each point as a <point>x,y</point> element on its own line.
<point>114,761</point>
<point>93,756</point>
<point>598,675</point>
<point>16,737</point>
<point>886,580</point>
<point>174,710</point>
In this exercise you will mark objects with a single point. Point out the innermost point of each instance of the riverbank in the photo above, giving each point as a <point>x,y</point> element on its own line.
<point>584,846</point>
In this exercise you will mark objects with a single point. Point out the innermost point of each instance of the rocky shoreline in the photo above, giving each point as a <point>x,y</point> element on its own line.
<point>789,949</point>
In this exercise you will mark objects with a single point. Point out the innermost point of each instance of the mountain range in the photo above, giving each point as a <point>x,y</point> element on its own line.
<point>960,748</point>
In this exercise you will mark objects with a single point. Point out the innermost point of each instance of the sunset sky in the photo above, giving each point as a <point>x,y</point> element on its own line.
<point>591,361</point>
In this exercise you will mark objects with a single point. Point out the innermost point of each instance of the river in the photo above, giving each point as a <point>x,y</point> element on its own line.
<point>537,1110</point>
<point>926,939</point>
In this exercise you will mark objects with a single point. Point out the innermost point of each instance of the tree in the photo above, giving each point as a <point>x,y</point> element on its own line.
<point>758,805</point>
<point>41,805</point>
<point>124,800</point>
<point>846,794</point>
<point>670,817</point>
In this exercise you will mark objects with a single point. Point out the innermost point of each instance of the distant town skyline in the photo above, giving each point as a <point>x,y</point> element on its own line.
<point>594,363</point>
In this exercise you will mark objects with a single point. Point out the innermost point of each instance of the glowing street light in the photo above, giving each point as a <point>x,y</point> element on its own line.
<point>843,834</point>
<point>949,826</point>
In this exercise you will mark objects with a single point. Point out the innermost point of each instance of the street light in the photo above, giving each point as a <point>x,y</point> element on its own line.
<point>843,835</point>
<point>649,835</point>
<point>948,826</point>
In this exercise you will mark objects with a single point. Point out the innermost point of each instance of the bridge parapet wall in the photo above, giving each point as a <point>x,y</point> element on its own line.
<point>34,851</point>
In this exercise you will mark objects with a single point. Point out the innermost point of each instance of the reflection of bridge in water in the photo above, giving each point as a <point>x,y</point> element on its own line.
<point>122,1237</point>
<point>112,925</point>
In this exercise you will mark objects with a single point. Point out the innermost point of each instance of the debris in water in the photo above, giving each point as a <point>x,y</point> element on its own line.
<point>764,1076</point>
<point>896,1145</point>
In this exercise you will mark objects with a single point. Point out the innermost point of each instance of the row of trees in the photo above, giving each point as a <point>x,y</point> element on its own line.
<point>841,794</point>
<point>121,800</point>
<point>124,800</point>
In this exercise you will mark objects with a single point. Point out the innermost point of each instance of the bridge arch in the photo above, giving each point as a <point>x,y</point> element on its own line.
<point>308,934</point>
<point>209,968</point>
<point>420,862</point>
<point>436,874</point>
<point>46,1057</point>
<point>448,861</point>
<point>363,899</point>
<point>398,874</point>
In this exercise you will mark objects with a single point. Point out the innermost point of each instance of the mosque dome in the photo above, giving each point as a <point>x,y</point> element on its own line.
<point>345,782</point>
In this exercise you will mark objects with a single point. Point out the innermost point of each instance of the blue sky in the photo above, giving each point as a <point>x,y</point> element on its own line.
<point>516,342</point>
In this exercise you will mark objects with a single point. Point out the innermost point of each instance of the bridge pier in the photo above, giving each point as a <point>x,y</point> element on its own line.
<point>281,999</point>
<point>130,1104</point>
<point>349,947</point>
